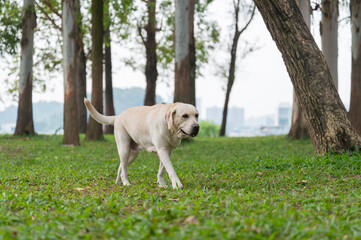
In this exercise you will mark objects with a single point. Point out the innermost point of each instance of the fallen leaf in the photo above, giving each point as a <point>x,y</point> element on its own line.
<point>191,220</point>
<point>303,182</point>
<point>79,189</point>
<point>174,199</point>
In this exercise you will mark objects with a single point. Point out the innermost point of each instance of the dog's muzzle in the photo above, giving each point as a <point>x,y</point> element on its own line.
<point>195,130</point>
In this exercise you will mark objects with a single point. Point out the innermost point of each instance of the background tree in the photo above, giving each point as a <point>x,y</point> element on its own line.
<point>185,68</point>
<point>71,128</point>
<point>330,129</point>
<point>329,37</point>
<point>355,103</point>
<point>109,105</point>
<point>151,72</point>
<point>94,129</point>
<point>299,129</point>
<point>25,123</point>
<point>232,65</point>
<point>10,22</point>
<point>80,70</point>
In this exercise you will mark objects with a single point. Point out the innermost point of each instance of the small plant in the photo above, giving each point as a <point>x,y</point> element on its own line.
<point>208,129</point>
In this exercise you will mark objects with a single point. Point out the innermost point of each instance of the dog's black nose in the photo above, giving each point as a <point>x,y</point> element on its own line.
<point>195,131</point>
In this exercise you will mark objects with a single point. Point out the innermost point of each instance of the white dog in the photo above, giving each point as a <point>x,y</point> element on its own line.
<point>157,128</point>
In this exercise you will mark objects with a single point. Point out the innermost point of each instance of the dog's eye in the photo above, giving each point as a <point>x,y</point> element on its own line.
<point>185,116</point>
<point>196,115</point>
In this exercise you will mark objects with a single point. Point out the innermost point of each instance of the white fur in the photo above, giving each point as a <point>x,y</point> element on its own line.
<point>157,128</point>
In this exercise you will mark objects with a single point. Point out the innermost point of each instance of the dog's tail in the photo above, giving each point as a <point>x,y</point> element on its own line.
<point>100,118</point>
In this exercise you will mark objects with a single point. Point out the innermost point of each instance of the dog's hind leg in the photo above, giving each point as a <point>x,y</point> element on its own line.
<point>123,144</point>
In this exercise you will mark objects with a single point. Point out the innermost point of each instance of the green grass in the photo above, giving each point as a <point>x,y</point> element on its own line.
<point>234,188</point>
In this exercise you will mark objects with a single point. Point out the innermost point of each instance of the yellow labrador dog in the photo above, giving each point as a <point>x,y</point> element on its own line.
<point>157,128</point>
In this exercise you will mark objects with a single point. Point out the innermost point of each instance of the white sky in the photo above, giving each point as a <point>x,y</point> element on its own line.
<point>260,86</point>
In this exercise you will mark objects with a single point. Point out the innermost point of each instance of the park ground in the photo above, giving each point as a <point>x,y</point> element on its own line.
<point>234,188</point>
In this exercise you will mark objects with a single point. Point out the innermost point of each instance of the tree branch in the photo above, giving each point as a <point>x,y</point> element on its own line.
<point>52,9</point>
<point>139,27</point>
<point>49,18</point>
<point>249,21</point>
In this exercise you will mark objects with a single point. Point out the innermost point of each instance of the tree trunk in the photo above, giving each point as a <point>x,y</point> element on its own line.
<point>80,72</point>
<point>232,64</point>
<point>24,123</point>
<point>231,74</point>
<point>184,86</point>
<point>71,128</point>
<point>329,31</point>
<point>299,129</point>
<point>330,129</point>
<point>94,129</point>
<point>151,72</point>
<point>109,105</point>
<point>355,103</point>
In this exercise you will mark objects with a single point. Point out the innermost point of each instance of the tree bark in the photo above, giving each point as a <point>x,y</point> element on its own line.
<point>330,129</point>
<point>94,129</point>
<point>185,68</point>
<point>151,72</point>
<point>329,31</point>
<point>24,122</point>
<point>80,72</point>
<point>355,103</point>
<point>299,129</point>
<point>109,104</point>
<point>71,128</point>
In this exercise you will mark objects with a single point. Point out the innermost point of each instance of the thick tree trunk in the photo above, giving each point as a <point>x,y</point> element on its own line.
<point>329,31</point>
<point>109,105</point>
<point>80,72</point>
<point>71,128</point>
<point>94,129</point>
<point>184,86</point>
<point>151,72</point>
<point>355,104</point>
<point>24,123</point>
<point>330,129</point>
<point>299,129</point>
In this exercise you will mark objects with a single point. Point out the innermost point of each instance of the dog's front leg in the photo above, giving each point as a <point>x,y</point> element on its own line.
<point>165,159</point>
<point>160,175</point>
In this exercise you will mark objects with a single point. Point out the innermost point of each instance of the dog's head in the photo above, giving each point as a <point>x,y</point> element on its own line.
<point>182,119</point>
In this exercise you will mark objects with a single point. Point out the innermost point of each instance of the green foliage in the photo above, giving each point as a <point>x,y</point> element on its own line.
<point>208,129</point>
<point>235,188</point>
<point>10,27</point>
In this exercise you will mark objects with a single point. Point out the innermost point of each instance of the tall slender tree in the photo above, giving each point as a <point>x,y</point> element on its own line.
<point>109,104</point>
<point>25,123</point>
<point>71,128</point>
<point>299,129</point>
<point>329,127</point>
<point>185,59</point>
<point>232,64</point>
<point>151,72</point>
<point>80,70</point>
<point>329,34</point>
<point>94,130</point>
<point>355,103</point>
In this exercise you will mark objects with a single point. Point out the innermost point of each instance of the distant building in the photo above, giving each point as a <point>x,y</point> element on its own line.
<point>235,117</point>
<point>284,114</point>
<point>214,114</point>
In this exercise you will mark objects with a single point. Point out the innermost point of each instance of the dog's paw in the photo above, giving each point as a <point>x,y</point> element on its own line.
<point>126,184</point>
<point>161,183</point>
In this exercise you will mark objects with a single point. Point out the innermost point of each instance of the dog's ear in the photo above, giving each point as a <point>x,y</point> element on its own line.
<point>169,116</point>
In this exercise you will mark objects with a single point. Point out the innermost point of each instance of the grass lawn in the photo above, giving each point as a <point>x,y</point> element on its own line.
<point>234,188</point>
